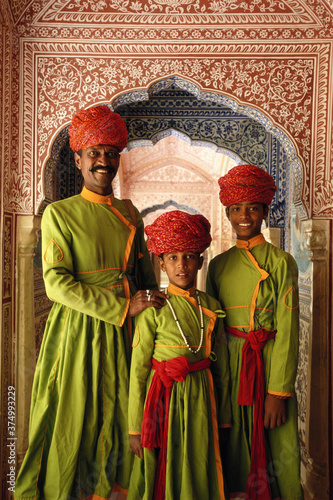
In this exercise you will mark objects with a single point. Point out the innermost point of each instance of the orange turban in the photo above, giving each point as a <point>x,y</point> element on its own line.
<point>98,125</point>
<point>246,183</point>
<point>178,231</point>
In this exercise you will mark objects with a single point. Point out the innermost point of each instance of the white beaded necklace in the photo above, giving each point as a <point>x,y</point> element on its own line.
<point>180,329</point>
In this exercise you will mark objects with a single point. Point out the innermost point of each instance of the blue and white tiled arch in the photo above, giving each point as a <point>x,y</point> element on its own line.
<point>175,106</point>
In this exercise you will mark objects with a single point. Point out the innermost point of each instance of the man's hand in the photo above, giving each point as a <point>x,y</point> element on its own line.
<point>135,445</point>
<point>140,301</point>
<point>275,412</point>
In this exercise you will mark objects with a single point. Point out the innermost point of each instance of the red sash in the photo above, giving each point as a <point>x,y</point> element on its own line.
<point>155,421</point>
<point>252,386</point>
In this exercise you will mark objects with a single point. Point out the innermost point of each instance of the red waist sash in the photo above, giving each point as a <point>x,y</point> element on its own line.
<point>252,386</point>
<point>155,421</point>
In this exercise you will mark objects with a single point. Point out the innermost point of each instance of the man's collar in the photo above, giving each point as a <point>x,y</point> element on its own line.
<point>96,198</point>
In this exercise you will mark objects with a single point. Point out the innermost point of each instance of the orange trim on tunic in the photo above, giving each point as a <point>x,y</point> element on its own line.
<point>117,488</point>
<point>175,290</point>
<point>263,275</point>
<point>246,307</point>
<point>291,289</point>
<point>281,395</point>
<point>126,257</point>
<point>247,245</point>
<point>96,198</point>
<point>99,270</point>
<point>236,307</point>
<point>253,242</point>
<point>124,317</point>
<point>61,252</point>
<point>131,236</point>
<point>108,200</point>
<point>216,435</point>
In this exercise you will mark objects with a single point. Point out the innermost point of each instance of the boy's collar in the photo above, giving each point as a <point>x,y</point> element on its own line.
<point>175,290</point>
<point>253,242</point>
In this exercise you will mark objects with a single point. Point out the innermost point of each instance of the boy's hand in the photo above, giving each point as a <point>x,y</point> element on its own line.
<point>275,412</point>
<point>135,445</point>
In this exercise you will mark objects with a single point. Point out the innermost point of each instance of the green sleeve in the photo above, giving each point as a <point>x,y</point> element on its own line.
<point>142,353</point>
<point>210,281</point>
<point>145,268</point>
<point>58,273</point>
<point>284,355</point>
<point>220,372</point>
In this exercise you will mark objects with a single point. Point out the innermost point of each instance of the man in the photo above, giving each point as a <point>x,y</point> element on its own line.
<point>93,254</point>
<point>256,284</point>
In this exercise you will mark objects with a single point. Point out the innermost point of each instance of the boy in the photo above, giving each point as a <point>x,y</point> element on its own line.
<point>173,414</point>
<point>256,284</point>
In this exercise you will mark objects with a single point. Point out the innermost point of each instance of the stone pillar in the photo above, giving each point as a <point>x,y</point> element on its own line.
<point>316,455</point>
<point>27,231</point>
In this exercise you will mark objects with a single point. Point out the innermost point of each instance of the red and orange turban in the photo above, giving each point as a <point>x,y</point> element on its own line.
<point>178,231</point>
<point>246,183</point>
<point>98,125</point>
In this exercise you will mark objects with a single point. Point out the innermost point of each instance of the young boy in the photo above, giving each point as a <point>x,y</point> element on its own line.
<point>256,284</point>
<point>179,363</point>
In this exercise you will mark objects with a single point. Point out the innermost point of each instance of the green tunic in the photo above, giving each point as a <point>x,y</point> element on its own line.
<point>193,468</point>
<point>78,436</point>
<point>257,287</point>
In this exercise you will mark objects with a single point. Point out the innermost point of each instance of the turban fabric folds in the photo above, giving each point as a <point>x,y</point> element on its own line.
<point>246,183</point>
<point>178,231</point>
<point>97,125</point>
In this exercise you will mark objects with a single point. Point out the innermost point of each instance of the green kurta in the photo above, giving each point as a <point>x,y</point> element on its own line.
<point>193,468</point>
<point>255,297</point>
<point>78,436</point>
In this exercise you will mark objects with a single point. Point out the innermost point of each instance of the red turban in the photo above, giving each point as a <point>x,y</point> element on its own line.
<point>178,231</point>
<point>98,125</point>
<point>246,183</point>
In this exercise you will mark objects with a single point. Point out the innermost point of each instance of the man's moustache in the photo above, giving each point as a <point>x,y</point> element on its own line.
<point>110,170</point>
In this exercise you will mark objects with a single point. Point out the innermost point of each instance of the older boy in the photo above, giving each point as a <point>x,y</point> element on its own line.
<point>256,284</point>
